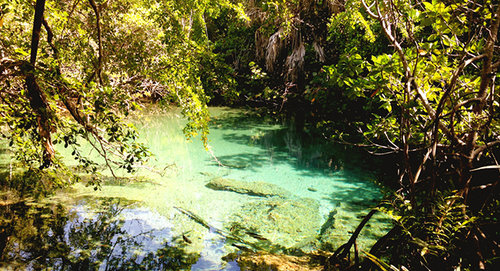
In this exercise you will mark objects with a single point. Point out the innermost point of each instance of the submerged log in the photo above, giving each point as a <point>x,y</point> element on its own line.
<point>240,243</point>
<point>260,189</point>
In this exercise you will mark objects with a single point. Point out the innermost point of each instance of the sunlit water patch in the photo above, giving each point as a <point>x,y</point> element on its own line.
<point>263,186</point>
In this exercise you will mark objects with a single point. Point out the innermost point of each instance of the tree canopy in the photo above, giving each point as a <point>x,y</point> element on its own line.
<point>88,64</point>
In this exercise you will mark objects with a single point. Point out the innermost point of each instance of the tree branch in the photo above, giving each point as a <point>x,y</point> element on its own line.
<point>50,36</point>
<point>343,250</point>
<point>487,70</point>
<point>368,10</point>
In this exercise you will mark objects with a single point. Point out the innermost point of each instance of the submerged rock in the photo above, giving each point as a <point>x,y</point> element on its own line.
<point>284,223</point>
<point>312,189</point>
<point>260,189</point>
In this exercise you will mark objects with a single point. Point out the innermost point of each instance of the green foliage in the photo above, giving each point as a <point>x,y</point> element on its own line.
<point>350,29</point>
<point>226,78</point>
<point>435,41</point>
<point>428,86</point>
<point>142,51</point>
<point>381,264</point>
<point>437,229</point>
<point>436,235</point>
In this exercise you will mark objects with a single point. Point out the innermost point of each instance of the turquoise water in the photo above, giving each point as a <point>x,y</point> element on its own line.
<point>299,195</point>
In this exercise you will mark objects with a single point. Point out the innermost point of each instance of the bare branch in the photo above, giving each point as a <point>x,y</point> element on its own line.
<point>480,149</point>
<point>368,9</point>
<point>495,65</point>
<point>487,70</point>
<point>419,170</point>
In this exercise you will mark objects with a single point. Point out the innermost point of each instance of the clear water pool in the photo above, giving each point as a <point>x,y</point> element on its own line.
<point>311,195</point>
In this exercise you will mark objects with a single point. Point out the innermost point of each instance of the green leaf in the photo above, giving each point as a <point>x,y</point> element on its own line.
<point>430,7</point>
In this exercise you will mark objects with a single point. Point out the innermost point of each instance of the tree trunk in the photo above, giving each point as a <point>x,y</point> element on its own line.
<point>98,71</point>
<point>487,71</point>
<point>37,98</point>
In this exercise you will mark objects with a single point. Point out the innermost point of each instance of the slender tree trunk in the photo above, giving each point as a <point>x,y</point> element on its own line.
<point>37,98</point>
<point>487,78</point>
<point>487,72</point>
<point>98,71</point>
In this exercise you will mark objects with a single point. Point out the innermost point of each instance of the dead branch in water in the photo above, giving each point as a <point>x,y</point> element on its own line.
<point>343,251</point>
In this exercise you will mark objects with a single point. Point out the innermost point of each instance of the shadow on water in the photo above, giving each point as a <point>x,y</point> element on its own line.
<point>353,199</point>
<point>35,236</point>
<point>308,153</point>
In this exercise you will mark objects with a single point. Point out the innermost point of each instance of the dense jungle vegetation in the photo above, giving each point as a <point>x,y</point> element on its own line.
<point>411,81</point>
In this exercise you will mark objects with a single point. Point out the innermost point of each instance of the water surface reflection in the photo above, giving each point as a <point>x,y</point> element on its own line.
<point>114,236</point>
